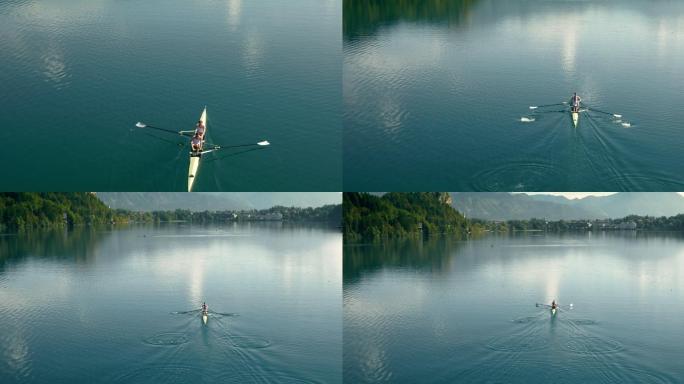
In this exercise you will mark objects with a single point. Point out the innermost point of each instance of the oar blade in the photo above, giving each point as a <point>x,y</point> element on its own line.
<point>140,125</point>
<point>547,105</point>
<point>263,143</point>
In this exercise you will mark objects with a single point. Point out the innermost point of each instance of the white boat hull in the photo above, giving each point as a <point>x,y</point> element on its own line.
<point>575,118</point>
<point>195,159</point>
<point>205,317</point>
<point>192,172</point>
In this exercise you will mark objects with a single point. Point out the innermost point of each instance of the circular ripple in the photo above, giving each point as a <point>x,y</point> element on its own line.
<point>593,345</point>
<point>248,342</point>
<point>160,374</point>
<point>516,176</point>
<point>516,344</point>
<point>272,377</point>
<point>168,338</point>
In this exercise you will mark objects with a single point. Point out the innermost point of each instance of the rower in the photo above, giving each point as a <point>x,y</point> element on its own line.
<point>205,308</point>
<point>575,101</point>
<point>554,305</point>
<point>196,143</point>
<point>199,129</point>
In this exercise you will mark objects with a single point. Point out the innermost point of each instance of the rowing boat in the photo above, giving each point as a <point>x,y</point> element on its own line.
<point>196,156</point>
<point>205,316</point>
<point>576,107</point>
<point>553,311</point>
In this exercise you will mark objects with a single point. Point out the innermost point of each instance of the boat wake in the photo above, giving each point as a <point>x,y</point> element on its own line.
<point>167,338</point>
<point>248,342</point>
<point>531,339</point>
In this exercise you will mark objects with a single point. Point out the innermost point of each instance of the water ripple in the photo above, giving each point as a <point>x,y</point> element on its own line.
<point>591,345</point>
<point>260,378</point>
<point>516,343</point>
<point>518,176</point>
<point>161,374</point>
<point>167,338</point>
<point>248,342</point>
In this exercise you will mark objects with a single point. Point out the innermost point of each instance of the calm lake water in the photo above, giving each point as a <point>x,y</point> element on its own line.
<point>121,306</point>
<point>452,312</point>
<point>76,75</point>
<point>435,91</point>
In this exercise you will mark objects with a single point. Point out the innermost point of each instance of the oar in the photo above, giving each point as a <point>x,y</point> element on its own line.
<point>143,125</point>
<point>604,112</point>
<point>219,147</point>
<point>565,308</point>
<point>260,143</point>
<point>156,137</point>
<point>236,153</point>
<point>561,111</point>
<point>547,105</point>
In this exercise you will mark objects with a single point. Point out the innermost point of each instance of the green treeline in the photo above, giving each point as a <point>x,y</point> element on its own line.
<point>23,210</point>
<point>32,210</point>
<point>648,223</point>
<point>632,222</point>
<point>363,17</point>
<point>400,215</point>
<point>326,213</point>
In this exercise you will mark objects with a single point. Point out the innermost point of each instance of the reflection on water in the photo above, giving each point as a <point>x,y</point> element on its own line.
<point>130,297</point>
<point>75,246</point>
<point>443,87</point>
<point>466,311</point>
<point>365,17</point>
<point>234,13</point>
<point>431,255</point>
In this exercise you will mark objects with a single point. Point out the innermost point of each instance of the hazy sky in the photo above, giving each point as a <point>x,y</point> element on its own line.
<point>572,195</point>
<point>576,195</point>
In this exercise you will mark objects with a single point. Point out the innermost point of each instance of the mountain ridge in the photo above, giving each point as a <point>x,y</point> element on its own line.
<point>508,206</point>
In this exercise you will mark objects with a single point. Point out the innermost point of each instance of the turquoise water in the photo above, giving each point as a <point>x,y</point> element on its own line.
<point>435,91</point>
<point>450,312</point>
<point>121,306</point>
<point>76,75</point>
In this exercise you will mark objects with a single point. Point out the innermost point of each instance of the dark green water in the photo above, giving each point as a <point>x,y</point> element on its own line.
<point>435,90</point>
<point>450,312</point>
<point>76,75</point>
<point>121,306</point>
